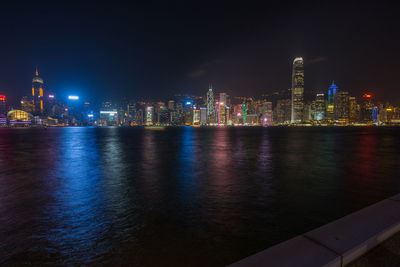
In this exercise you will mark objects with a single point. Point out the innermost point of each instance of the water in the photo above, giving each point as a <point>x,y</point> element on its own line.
<point>182,196</point>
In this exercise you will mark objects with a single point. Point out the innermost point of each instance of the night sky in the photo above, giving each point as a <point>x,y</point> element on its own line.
<point>153,51</point>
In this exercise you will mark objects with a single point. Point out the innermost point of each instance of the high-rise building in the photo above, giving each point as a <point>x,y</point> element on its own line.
<point>283,111</point>
<point>210,106</point>
<point>354,110</point>
<point>3,105</point>
<point>330,107</point>
<point>203,115</point>
<point>149,115</point>
<point>367,108</point>
<point>27,105</point>
<point>37,93</point>
<point>171,105</point>
<point>342,107</point>
<point>221,113</point>
<point>297,90</point>
<point>319,114</point>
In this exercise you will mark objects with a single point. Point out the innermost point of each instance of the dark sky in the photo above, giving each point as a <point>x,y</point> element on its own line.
<point>154,50</point>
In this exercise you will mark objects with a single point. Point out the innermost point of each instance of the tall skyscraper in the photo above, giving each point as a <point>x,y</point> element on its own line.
<point>37,93</point>
<point>332,90</point>
<point>210,106</point>
<point>342,107</point>
<point>297,90</point>
<point>319,107</point>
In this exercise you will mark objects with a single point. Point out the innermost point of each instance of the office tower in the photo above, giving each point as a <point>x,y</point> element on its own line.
<point>203,115</point>
<point>319,114</point>
<point>354,110</point>
<point>27,105</point>
<point>163,115</point>
<point>171,105</point>
<point>284,111</point>
<point>367,108</point>
<point>131,113</point>
<point>342,107</point>
<point>196,116</point>
<point>221,113</point>
<point>37,93</point>
<point>330,114</point>
<point>210,106</point>
<point>149,115</point>
<point>297,90</point>
<point>3,105</point>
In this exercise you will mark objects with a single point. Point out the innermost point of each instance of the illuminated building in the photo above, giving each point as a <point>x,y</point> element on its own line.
<point>342,107</point>
<point>188,112</point>
<point>37,94</point>
<point>171,105</point>
<point>297,90</point>
<point>149,115</point>
<point>27,105</point>
<point>196,116</point>
<point>162,115</point>
<point>3,105</point>
<point>221,113</point>
<point>330,113</point>
<point>284,111</point>
<point>210,106</point>
<point>238,113</point>
<point>354,110</point>
<point>309,111</point>
<point>19,117</point>
<point>203,115</point>
<point>319,114</point>
<point>108,117</point>
<point>367,108</point>
<point>266,120</point>
<point>375,114</point>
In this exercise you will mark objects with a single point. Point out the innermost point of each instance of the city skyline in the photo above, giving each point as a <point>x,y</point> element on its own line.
<point>140,51</point>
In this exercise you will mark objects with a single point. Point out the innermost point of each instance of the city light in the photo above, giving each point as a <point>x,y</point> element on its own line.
<point>367,95</point>
<point>111,113</point>
<point>188,103</point>
<point>2,98</point>
<point>73,97</point>
<point>90,115</point>
<point>51,96</point>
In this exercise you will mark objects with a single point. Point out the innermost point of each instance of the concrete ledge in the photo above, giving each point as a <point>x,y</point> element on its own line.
<point>337,243</point>
<point>298,251</point>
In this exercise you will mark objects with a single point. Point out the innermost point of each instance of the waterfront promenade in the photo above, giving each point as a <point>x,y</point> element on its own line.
<point>339,243</point>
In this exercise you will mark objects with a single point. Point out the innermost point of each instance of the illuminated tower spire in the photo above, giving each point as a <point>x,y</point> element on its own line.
<point>297,90</point>
<point>37,93</point>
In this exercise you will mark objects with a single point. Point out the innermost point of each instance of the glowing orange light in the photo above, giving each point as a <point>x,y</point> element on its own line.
<point>41,105</point>
<point>367,95</point>
<point>2,98</point>
<point>33,91</point>
<point>40,91</point>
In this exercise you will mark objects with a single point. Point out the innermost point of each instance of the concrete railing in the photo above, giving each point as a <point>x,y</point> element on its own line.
<point>337,243</point>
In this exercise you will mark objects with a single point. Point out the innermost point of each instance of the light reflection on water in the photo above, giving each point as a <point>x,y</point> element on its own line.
<point>184,196</point>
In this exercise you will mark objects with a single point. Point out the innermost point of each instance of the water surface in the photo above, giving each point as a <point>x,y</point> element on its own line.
<point>183,196</point>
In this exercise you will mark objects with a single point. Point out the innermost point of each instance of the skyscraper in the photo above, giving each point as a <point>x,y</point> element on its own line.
<point>342,107</point>
<point>319,107</point>
<point>3,105</point>
<point>330,115</point>
<point>37,93</point>
<point>210,106</point>
<point>297,90</point>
